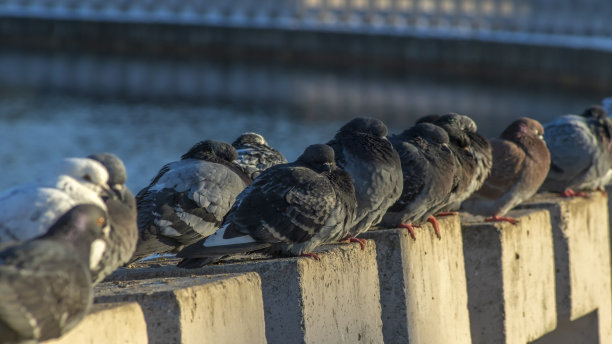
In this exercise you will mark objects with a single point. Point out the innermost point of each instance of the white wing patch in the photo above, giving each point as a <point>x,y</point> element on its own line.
<point>217,239</point>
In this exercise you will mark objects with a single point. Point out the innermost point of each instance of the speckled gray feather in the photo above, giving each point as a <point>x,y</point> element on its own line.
<point>255,155</point>
<point>581,151</point>
<point>188,199</point>
<point>289,209</point>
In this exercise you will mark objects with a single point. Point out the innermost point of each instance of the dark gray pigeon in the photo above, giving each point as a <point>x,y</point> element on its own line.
<point>428,167</point>
<point>255,155</point>
<point>122,214</point>
<point>289,209</point>
<point>580,152</point>
<point>29,210</point>
<point>520,164</point>
<point>362,149</point>
<point>188,199</point>
<point>473,156</point>
<point>45,284</point>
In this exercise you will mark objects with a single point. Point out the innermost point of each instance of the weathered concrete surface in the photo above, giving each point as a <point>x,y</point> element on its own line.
<point>200,309</point>
<point>334,300</point>
<point>584,330</point>
<point>510,278</point>
<point>109,323</point>
<point>582,255</point>
<point>422,283</point>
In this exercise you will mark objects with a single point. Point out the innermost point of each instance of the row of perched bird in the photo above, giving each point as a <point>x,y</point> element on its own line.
<point>73,226</point>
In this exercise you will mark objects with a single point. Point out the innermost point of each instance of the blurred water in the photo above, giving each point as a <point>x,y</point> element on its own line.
<point>149,112</point>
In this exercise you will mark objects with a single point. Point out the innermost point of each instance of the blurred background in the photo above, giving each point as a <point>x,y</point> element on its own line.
<point>146,79</point>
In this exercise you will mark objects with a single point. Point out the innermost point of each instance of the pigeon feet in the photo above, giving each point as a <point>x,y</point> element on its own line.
<point>603,191</point>
<point>434,223</point>
<point>497,218</point>
<point>410,229</point>
<point>311,255</point>
<point>362,242</point>
<point>447,213</point>
<point>571,193</point>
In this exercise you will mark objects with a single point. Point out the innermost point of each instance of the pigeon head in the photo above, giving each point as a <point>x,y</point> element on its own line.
<point>456,120</point>
<point>599,113</point>
<point>429,132</point>
<point>595,111</point>
<point>318,157</point>
<point>523,127</point>
<point>249,139</point>
<point>366,125</point>
<point>85,229</point>
<point>211,150</point>
<point>88,172</point>
<point>117,174</point>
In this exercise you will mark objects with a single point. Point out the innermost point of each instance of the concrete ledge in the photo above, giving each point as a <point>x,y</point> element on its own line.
<point>109,323</point>
<point>200,309</point>
<point>334,300</point>
<point>582,245</point>
<point>510,278</point>
<point>423,285</point>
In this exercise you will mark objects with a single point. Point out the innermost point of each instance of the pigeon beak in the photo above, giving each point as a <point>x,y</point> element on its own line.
<point>541,137</point>
<point>118,191</point>
<point>445,147</point>
<point>106,192</point>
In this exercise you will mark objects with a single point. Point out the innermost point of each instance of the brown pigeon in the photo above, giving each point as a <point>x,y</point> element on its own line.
<point>520,164</point>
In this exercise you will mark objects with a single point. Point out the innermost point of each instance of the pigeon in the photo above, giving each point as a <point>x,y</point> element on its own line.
<point>188,199</point>
<point>473,156</point>
<point>45,284</point>
<point>362,149</point>
<point>289,210</point>
<point>580,151</point>
<point>122,214</point>
<point>520,164</point>
<point>29,210</point>
<point>428,167</point>
<point>255,155</point>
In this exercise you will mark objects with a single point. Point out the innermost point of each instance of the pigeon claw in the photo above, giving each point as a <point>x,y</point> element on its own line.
<point>435,225</point>
<point>362,242</point>
<point>447,213</point>
<point>410,229</point>
<point>497,218</point>
<point>311,255</point>
<point>571,193</point>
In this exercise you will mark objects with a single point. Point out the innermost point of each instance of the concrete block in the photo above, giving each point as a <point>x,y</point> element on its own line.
<point>582,258</point>
<point>200,309</point>
<point>510,278</point>
<point>109,323</point>
<point>334,300</point>
<point>422,284</point>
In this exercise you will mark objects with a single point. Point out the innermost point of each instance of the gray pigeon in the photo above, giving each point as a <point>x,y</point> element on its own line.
<point>580,152</point>
<point>428,166</point>
<point>362,149</point>
<point>520,164</point>
<point>122,214</point>
<point>289,209</point>
<point>255,155</point>
<point>473,156</point>
<point>188,199</point>
<point>28,210</point>
<point>45,284</point>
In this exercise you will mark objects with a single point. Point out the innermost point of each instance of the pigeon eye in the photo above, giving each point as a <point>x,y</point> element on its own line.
<point>87,177</point>
<point>100,221</point>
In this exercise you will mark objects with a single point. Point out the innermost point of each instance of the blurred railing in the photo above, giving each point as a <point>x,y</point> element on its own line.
<point>466,17</point>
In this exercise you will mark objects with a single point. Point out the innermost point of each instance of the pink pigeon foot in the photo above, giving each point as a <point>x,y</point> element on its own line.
<point>434,223</point>
<point>497,218</point>
<point>311,255</point>
<point>571,193</point>
<point>410,229</point>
